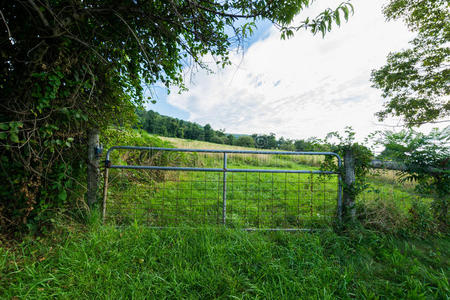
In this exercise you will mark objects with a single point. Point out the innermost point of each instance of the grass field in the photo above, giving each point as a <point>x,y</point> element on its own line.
<point>192,144</point>
<point>103,262</point>
<point>86,259</point>
<point>254,200</point>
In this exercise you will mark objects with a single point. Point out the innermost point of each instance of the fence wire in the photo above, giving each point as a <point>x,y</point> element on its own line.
<point>265,192</point>
<point>254,200</point>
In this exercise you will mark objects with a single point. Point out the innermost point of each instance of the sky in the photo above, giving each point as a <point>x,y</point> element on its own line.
<point>298,88</point>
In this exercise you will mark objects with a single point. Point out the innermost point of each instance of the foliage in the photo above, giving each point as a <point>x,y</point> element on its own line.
<point>385,215</point>
<point>113,136</point>
<point>416,81</point>
<point>322,23</point>
<point>211,263</point>
<point>265,141</point>
<point>427,161</point>
<point>245,141</point>
<point>382,215</point>
<point>67,66</point>
<point>421,219</point>
<point>156,123</point>
<point>362,156</point>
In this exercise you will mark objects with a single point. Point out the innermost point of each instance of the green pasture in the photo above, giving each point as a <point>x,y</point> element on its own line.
<point>254,199</point>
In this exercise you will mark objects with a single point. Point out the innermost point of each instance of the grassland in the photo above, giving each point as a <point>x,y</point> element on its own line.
<point>192,144</point>
<point>254,200</point>
<point>104,262</point>
<point>90,260</point>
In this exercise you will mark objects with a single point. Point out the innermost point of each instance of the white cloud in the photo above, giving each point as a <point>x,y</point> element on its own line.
<point>302,87</point>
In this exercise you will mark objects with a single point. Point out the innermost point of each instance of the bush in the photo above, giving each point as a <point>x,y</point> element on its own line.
<point>382,215</point>
<point>427,162</point>
<point>218,140</point>
<point>421,219</point>
<point>386,216</point>
<point>245,141</point>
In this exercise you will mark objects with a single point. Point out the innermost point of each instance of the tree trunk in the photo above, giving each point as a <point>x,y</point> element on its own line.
<point>349,182</point>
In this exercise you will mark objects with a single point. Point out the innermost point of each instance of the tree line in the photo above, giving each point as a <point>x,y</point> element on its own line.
<point>155,123</point>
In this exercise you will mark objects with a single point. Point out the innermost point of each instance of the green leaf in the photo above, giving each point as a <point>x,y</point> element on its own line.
<point>4,126</point>
<point>337,17</point>
<point>3,135</point>
<point>14,138</point>
<point>345,10</point>
<point>62,195</point>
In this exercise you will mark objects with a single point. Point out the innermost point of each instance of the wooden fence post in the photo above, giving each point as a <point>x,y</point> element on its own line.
<point>349,181</point>
<point>92,166</point>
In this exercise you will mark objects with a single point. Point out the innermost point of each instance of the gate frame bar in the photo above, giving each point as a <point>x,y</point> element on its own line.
<point>224,170</point>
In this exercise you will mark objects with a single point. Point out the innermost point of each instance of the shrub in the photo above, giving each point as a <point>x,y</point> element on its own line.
<point>245,141</point>
<point>386,216</point>
<point>382,215</point>
<point>421,219</point>
<point>426,158</point>
<point>218,140</point>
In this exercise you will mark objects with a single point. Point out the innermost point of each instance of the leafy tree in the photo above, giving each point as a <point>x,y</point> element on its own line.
<point>220,132</point>
<point>300,145</point>
<point>70,65</point>
<point>245,141</point>
<point>208,132</point>
<point>265,141</point>
<point>427,161</point>
<point>416,81</point>
<point>230,139</point>
<point>217,140</point>
<point>271,141</point>
<point>286,144</point>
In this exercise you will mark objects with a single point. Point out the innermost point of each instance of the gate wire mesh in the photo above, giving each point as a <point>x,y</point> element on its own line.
<point>262,190</point>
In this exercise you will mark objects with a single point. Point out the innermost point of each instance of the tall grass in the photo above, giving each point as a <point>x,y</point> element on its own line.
<point>98,261</point>
<point>103,262</point>
<point>192,144</point>
<point>254,199</point>
<point>257,200</point>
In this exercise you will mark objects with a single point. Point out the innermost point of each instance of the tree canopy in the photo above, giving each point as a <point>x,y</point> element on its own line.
<point>416,81</point>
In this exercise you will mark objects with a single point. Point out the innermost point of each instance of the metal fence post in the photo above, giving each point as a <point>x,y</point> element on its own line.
<point>105,193</point>
<point>224,197</point>
<point>339,206</point>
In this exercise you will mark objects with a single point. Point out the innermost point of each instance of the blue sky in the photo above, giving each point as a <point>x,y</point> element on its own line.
<point>160,92</point>
<point>305,86</point>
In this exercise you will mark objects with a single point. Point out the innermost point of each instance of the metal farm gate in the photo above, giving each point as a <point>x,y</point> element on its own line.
<point>253,190</point>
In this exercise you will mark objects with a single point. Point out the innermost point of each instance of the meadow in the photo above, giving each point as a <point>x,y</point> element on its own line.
<point>255,200</point>
<point>390,254</point>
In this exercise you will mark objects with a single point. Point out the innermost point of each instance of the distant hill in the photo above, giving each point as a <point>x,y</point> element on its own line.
<point>155,123</point>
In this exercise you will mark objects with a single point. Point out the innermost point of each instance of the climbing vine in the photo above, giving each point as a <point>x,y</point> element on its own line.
<point>346,146</point>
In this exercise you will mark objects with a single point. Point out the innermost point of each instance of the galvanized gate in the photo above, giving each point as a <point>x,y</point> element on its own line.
<point>164,187</point>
